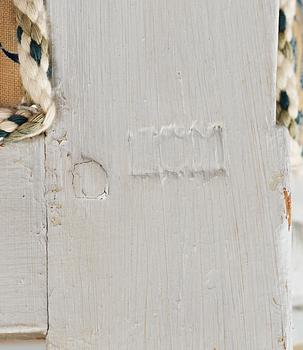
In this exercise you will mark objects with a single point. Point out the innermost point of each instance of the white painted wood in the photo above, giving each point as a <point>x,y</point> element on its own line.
<point>162,236</point>
<point>23,292</point>
<point>298,326</point>
<point>297,194</point>
<point>297,257</point>
<point>23,345</point>
<point>297,266</point>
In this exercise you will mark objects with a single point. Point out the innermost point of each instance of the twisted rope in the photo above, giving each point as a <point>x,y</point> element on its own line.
<point>37,111</point>
<point>287,93</point>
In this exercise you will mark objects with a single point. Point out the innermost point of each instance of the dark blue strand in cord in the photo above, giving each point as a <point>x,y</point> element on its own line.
<point>13,56</point>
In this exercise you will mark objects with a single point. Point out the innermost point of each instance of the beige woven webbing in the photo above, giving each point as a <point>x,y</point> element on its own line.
<point>10,80</point>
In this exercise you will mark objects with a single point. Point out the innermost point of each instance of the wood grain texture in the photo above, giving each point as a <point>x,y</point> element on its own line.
<point>168,259</point>
<point>23,292</point>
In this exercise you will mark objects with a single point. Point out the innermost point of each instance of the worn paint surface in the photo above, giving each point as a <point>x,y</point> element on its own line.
<point>177,151</point>
<point>288,207</point>
<point>23,279</point>
<point>182,263</point>
<point>135,262</point>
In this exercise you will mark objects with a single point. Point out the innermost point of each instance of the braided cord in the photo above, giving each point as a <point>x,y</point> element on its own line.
<point>287,85</point>
<point>37,111</point>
